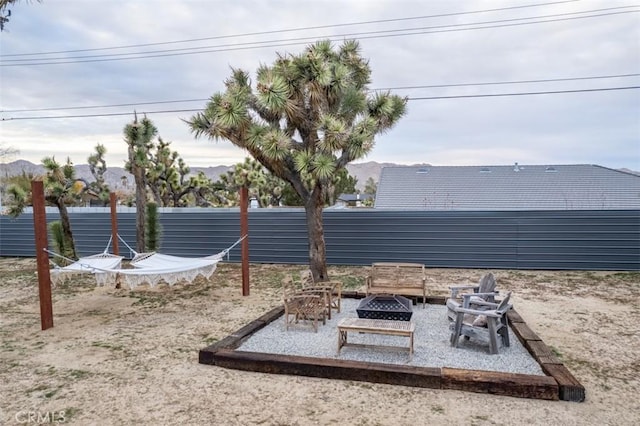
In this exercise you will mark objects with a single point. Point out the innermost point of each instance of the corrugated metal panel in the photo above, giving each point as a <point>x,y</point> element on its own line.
<point>437,239</point>
<point>592,240</point>
<point>582,240</point>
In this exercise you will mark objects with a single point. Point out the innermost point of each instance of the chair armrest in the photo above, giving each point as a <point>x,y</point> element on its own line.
<point>466,296</point>
<point>478,301</point>
<point>492,293</point>
<point>312,291</point>
<point>462,287</point>
<point>491,313</point>
<point>329,283</point>
<point>334,285</point>
<point>484,304</point>
<point>303,297</point>
<point>457,288</point>
<point>324,285</point>
<point>452,304</point>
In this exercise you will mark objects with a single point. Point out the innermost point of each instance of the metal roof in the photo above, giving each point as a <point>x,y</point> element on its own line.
<point>355,197</point>
<point>515,187</point>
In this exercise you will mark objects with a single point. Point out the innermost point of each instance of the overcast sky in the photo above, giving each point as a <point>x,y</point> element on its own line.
<point>407,47</point>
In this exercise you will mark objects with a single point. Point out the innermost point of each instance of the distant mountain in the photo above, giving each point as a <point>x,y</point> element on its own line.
<point>114,175</point>
<point>17,167</point>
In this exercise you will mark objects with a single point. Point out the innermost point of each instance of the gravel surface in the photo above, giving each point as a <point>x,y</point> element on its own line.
<point>431,344</point>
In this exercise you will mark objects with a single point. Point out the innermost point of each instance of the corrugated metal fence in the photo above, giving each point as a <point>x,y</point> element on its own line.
<point>586,240</point>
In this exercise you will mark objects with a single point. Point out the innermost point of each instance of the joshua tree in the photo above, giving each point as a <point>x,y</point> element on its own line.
<point>7,151</point>
<point>262,185</point>
<point>5,13</point>
<point>98,167</point>
<point>61,188</point>
<point>167,176</point>
<point>309,116</point>
<point>370,187</point>
<point>139,135</point>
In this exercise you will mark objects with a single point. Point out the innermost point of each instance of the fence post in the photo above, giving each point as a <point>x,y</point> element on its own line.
<point>42,258</point>
<point>244,231</point>
<point>114,223</point>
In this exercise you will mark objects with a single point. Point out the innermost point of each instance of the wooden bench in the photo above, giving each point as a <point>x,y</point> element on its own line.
<point>404,279</point>
<point>363,325</point>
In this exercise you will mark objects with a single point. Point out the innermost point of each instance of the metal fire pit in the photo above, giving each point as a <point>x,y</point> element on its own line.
<point>385,307</point>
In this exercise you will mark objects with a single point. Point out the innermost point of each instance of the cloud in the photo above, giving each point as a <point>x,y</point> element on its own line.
<point>599,128</point>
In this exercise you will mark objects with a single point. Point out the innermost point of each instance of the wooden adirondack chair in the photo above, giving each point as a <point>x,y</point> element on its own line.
<point>305,306</point>
<point>491,324</point>
<point>331,291</point>
<point>473,296</point>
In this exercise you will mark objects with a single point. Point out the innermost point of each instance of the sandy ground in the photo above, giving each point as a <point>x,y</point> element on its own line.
<point>118,357</point>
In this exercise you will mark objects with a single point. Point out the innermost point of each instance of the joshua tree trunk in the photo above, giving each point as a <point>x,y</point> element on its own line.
<point>153,227</point>
<point>66,228</point>
<point>141,208</point>
<point>315,231</point>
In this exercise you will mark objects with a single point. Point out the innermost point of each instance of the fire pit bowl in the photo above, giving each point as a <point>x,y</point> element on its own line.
<point>385,307</point>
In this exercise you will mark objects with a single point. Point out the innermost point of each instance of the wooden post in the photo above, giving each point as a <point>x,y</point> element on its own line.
<point>40,231</point>
<point>244,231</point>
<point>114,223</point>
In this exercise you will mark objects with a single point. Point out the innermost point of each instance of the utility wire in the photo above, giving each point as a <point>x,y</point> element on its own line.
<point>550,92</point>
<point>409,98</point>
<point>379,21</point>
<point>254,44</point>
<point>492,83</point>
<point>107,106</point>
<point>108,114</point>
<point>432,86</point>
<point>402,30</point>
<point>296,41</point>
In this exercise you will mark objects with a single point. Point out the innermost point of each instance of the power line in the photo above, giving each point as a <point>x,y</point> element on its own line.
<point>194,50</point>
<point>379,21</point>
<point>432,86</point>
<point>108,114</point>
<point>107,106</point>
<point>547,80</point>
<point>550,92</point>
<point>553,92</point>
<point>298,41</point>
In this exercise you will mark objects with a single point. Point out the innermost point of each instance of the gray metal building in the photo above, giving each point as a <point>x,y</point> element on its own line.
<point>504,188</point>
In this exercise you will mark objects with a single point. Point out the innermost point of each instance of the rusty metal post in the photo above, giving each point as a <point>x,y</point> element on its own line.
<point>114,223</point>
<point>244,230</point>
<point>42,258</point>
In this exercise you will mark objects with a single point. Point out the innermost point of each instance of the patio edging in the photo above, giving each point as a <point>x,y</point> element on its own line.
<point>558,384</point>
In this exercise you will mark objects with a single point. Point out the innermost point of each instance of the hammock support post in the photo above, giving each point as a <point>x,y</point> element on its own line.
<point>114,223</point>
<point>244,231</point>
<point>42,258</point>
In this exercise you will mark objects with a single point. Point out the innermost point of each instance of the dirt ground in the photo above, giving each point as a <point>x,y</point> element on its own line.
<point>118,357</point>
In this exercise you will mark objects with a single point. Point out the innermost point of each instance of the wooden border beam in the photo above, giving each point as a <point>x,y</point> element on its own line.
<point>557,384</point>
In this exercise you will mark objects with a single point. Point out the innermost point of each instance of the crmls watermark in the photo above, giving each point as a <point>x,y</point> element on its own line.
<point>39,417</point>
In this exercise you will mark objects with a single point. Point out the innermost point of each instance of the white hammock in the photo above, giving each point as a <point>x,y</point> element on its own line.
<point>158,260</point>
<point>153,268</point>
<point>149,268</point>
<point>88,264</point>
<point>156,267</point>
